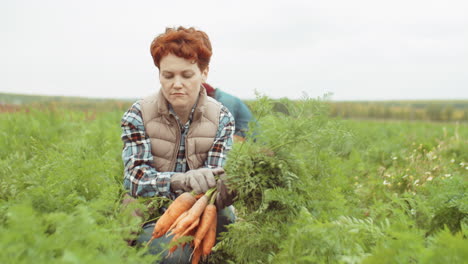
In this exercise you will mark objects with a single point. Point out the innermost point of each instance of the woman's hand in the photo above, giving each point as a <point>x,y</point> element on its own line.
<point>199,180</point>
<point>225,195</point>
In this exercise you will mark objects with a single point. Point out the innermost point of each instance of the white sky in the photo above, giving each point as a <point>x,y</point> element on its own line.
<point>357,50</point>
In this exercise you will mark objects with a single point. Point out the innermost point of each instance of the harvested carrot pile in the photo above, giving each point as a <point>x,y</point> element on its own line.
<point>189,216</point>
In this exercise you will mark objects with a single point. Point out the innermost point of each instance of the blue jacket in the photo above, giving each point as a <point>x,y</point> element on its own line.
<point>240,111</point>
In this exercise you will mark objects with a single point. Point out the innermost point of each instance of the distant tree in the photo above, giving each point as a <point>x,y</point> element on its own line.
<point>387,114</point>
<point>447,113</point>
<point>434,112</point>
<point>465,115</point>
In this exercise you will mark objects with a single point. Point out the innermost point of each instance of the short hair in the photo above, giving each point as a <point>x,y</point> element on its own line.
<point>187,43</point>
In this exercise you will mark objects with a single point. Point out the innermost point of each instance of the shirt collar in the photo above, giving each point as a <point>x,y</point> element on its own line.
<point>171,110</point>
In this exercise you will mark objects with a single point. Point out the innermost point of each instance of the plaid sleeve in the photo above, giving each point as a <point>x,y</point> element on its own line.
<point>223,141</point>
<point>140,176</point>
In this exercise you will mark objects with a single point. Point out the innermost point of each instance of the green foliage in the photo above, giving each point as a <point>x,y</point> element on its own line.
<point>346,239</point>
<point>317,190</point>
<point>81,236</point>
<point>286,168</point>
<point>60,179</point>
<point>312,189</point>
<point>409,246</point>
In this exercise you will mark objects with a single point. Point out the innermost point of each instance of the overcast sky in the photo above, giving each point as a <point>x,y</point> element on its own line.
<point>356,50</point>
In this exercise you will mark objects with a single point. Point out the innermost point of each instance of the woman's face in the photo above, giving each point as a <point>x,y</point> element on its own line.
<point>180,81</point>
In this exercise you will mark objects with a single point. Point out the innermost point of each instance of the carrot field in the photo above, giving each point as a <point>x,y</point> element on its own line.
<point>311,188</point>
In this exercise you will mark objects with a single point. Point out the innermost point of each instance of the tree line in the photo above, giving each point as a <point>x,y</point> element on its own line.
<point>401,110</point>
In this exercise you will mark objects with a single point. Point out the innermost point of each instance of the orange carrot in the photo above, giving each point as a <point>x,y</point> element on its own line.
<point>184,214</point>
<point>192,215</point>
<point>191,227</point>
<point>173,248</point>
<point>191,233</point>
<point>179,206</point>
<point>198,196</point>
<point>209,239</point>
<point>190,230</point>
<point>196,255</point>
<point>207,220</point>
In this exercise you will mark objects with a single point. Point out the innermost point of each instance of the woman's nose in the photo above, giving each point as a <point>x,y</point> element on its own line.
<point>177,82</point>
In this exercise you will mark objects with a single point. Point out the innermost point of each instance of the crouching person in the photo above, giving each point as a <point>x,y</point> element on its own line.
<point>177,140</point>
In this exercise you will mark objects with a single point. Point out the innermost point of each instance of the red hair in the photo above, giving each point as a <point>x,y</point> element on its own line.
<point>187,43</point>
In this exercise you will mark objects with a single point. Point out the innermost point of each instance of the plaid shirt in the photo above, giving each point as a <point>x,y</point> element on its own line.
<point>140,176</point>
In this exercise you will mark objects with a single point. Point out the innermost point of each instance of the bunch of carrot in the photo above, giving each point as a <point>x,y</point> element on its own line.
<point>190,215</point>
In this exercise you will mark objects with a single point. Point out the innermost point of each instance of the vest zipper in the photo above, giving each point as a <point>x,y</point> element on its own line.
<point>176,152</point>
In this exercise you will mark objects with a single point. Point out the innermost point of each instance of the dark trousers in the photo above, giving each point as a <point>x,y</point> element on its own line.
<point>181,255</point>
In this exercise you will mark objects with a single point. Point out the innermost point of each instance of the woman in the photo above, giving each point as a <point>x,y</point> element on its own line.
<point>239,110</point>
<point>177,140</point>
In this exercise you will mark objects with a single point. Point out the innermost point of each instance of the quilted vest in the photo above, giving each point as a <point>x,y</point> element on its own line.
<point>164,132</point>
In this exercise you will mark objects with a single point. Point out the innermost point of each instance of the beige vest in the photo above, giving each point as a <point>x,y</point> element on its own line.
<point>164,132</point>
